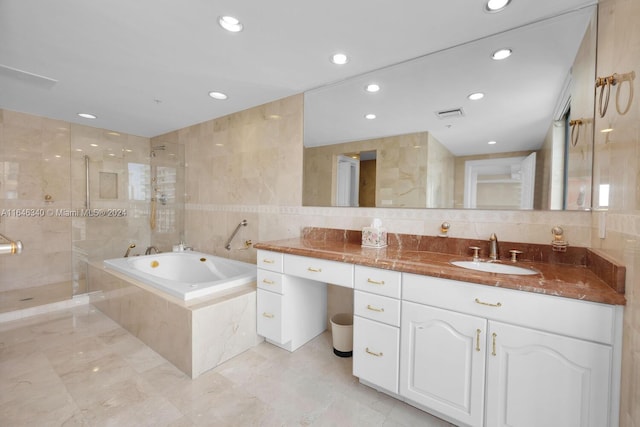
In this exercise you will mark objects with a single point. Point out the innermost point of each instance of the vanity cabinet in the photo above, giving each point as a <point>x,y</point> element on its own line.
<point>472,354</point>
<point>478,355</point>
<point>443,362</point>
<point>290,310</point>
<point>376,327</point>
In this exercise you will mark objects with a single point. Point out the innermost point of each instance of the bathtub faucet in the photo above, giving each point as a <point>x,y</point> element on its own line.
<point>131,246</point>
<point>150,248</point>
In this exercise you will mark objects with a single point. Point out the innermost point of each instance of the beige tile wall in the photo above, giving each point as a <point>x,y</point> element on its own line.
<point>34,162</point>
<point>617,163</point>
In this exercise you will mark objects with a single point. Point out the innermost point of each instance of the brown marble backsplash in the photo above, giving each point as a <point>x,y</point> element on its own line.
<point>604,267</point>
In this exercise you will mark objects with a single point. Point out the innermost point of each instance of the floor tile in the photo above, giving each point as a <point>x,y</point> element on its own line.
<point>76,367</point>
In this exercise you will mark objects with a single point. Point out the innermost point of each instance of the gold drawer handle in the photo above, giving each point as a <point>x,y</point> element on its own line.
<point>268,282</point>
<point>478,331</point>
<point>375,282</point>
<point>268,315</point>
<point>499,304</point>
<point>268,261</point>
<point>372,308</point>
<point>373,353</point>
<point>314,270</point>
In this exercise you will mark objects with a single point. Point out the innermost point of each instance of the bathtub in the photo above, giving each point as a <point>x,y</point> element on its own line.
<point>185,275</point>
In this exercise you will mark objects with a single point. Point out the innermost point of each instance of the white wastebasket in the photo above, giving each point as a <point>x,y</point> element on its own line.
<point>342,333</point>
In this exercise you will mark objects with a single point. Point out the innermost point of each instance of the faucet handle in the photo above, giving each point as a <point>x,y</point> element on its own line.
<point>476,252</point>
<point>514,254</point>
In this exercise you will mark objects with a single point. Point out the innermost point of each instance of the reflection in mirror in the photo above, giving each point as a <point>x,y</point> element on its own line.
<point>427,132</point>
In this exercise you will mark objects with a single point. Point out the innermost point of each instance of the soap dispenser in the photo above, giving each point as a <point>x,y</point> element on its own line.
<point>374,236</point>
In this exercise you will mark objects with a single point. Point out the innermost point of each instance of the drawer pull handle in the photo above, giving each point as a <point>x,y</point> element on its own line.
<point>268,261</point>
<point>478,331</point>
<point>373,353</point>
<point>372,308</point>
<point>314,270</point>
<point>375,282</point>
<point>268,315</point>
<point>499,304</point>
<point>268,282</point>
<point>494,336</point>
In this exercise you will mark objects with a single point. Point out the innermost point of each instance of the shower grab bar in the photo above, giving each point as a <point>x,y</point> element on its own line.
<point>87,203</point>
<point>227,245</point>
<point>10,247</point>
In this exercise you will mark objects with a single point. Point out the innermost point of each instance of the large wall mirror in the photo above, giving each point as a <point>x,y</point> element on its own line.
<point>419,141</point>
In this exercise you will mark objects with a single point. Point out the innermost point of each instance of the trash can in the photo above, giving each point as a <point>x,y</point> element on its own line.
<point>342,334</point>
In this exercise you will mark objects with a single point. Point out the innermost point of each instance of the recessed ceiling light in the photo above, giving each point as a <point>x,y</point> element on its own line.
<point>372,87</point>
<point>496,5</point>
<point>501,54</point>
<point>476,96</point>
<point>492,142</point>
<point>218,95</point>
<point>87,116</point>
<point>339,59</point>
<point>370,116</point>
<point>230,23</point>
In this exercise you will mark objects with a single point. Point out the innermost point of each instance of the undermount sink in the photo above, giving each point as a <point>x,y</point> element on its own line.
<point>494,267</point>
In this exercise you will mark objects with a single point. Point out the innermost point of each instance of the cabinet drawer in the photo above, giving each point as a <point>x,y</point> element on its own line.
<point>376,349</point>
<point>378,281</point>
<point>566,316</point>
<point>321,270</point>
<point>377,307</point>
<point>270,281</point>
<point>271,313</point>
<point>270,260</point>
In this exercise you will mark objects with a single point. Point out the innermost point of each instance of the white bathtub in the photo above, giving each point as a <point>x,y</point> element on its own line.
<point>186,275</point>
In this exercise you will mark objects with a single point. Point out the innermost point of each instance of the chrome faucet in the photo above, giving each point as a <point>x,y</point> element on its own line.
<point>131,246</point>
<point>148,251</point>
<point>493,247</point>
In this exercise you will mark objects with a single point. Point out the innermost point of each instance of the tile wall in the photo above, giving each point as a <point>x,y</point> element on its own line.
<point>617,163</point>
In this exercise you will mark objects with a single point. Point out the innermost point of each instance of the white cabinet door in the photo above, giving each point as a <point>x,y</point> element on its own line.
<point>376,348</point>
<point>442,363</point>
<point>271,317</point>
<point>541,379</point>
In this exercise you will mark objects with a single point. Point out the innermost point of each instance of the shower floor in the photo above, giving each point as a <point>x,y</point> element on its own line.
<point>19,303</point>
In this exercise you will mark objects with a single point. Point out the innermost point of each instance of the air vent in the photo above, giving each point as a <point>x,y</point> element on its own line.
<point>448,114</point>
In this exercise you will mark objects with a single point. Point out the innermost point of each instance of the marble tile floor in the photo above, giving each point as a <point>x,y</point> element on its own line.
<point>76,367</point>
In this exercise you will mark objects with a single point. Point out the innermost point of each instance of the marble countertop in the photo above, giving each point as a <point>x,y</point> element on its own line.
<point>563,280</point>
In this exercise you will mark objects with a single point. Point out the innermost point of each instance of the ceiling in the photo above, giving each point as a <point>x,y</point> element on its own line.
<point>523,94</point>
<point>145,67</point>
